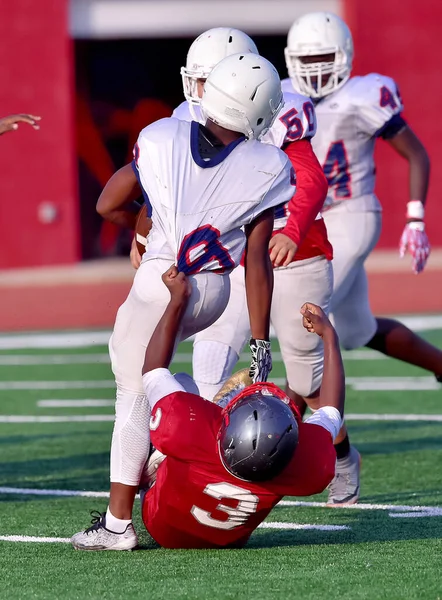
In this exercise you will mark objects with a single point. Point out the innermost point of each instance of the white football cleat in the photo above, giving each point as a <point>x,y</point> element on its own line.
<point>345,487</point>
<point>97,537</point>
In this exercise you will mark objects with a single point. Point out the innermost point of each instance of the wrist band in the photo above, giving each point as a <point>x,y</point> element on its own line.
<point>415,209</point>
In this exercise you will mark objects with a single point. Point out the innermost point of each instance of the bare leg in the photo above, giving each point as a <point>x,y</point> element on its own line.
<point>121,500</point>
<point>394,339</point>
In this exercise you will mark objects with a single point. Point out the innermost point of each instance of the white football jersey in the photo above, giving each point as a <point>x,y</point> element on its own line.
<point>296,121</point>
<point>349,121</point>
<point>199,205</point>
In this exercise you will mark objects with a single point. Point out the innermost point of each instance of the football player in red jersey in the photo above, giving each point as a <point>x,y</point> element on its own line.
<point>224,469</point>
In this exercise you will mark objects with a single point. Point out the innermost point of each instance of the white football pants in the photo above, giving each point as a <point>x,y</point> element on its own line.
<point>134,326</point>
<point>353,234</point>
<point>217,349</point>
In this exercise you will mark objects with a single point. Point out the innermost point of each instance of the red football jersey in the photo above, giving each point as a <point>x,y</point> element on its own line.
<point>196,502</point>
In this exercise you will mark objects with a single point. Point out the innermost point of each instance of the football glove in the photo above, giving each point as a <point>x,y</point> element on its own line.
<point>261,364</point>
<point>415,241</point>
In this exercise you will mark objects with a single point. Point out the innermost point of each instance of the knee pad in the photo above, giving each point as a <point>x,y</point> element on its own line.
<point>304,377</point>
<point>213,364</point>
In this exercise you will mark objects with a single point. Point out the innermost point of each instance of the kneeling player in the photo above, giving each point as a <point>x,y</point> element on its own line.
<point>226,468</point>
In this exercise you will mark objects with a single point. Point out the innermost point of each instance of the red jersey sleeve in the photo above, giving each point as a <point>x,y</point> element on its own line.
<point>311,190</point>
<point>181,423</point>
<point>313,465</point>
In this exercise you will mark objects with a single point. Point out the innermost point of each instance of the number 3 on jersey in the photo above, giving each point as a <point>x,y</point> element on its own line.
<point>336,169</point>
<point>247,504</point>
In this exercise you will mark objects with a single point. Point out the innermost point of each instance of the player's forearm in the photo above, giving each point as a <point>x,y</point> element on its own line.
<point>159,351</point>
<point>116,201</point>
<point>419,175</point>
<point>311,190</point>
<point>333,378</point>
<point>408,145</point>
<point>259,290</point>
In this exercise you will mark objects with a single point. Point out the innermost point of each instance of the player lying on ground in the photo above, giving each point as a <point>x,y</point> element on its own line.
<point>226,468</point>
<point>352,113</point>
<point>202,185</point>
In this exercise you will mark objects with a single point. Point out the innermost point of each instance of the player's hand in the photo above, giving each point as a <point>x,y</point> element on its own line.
<point>415,241</point>
<point>135,257</point>
<point>282,250</point>
<point>11,123</point>
<point>315,320</point>
<point>261,364</point>
<point>177,284</point>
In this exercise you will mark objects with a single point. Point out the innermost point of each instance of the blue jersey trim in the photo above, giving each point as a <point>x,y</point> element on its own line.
<point>392,127</point>
<point>145,196</point>
<point>216,160</point>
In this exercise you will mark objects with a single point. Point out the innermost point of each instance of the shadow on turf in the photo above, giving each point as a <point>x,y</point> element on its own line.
<point>366,527</point>
<point>78,472</point>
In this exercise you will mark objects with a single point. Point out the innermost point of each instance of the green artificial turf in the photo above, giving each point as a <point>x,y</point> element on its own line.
<point>378,557</point>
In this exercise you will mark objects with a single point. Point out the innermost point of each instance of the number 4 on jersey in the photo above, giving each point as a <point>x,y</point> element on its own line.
<point>336,170</point>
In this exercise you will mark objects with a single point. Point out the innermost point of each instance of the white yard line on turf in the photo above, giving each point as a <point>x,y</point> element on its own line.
<point>265,525</point>
<point>63,339</point>
<point>391,384</point>
<point>57,385</point>
<point>396,509</point>
<point>392,417</point>
<point>110,417</point>
<point>56,419</point>
<point>282,525</point>
<point>74,403</point>
<point>29,538</point>
<point>357,383</point>
<point>83,339</point>
<point>45,492</point>
<point>12,360</point>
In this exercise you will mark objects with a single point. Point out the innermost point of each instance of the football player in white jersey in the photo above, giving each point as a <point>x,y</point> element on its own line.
<point>299,247</point>
<point>352,113</point>
<point>202,184</point>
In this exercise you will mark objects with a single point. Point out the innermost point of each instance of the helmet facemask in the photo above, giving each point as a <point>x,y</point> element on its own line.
<point>190,84</point>
<point>318,79</point>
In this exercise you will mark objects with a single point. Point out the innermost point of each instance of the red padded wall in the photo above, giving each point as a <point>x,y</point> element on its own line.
<point>37,167</point>
<point>402,39</point>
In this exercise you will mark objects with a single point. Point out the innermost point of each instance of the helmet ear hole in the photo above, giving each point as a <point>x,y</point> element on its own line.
<point>259,121</point>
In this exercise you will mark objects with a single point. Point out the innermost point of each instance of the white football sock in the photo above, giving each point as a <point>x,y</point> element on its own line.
<point>114,524</point>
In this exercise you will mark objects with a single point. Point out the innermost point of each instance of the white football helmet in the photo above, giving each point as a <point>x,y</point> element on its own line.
<point>315,34</point>
<point>243,93</point>
<point>207,51</point>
